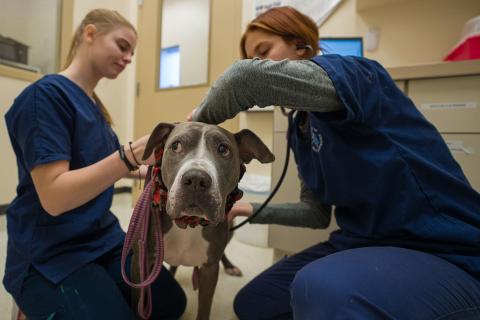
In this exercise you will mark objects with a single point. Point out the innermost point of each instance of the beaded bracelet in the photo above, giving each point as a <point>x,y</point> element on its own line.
<point>121,151</point>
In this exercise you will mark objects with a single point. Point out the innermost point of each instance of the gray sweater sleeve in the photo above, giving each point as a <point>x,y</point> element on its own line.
<point>306,213</point>
<point>295,84</point>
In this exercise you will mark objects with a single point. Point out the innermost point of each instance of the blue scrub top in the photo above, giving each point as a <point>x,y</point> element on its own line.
<point>386,169</point>
<point>53,119</point>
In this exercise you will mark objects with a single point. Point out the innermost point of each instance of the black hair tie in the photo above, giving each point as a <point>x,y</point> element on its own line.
<point>133,154</point>
<point>121,151</point>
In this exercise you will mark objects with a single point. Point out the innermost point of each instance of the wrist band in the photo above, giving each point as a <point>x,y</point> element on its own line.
<point>121,151</point>
<point>133,154</point>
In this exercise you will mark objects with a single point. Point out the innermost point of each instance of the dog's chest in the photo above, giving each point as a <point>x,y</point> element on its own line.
<point>185,247</point>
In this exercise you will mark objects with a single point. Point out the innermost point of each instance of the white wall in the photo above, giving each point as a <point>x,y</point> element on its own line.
<point>185,23</point>
<point>35,24</point>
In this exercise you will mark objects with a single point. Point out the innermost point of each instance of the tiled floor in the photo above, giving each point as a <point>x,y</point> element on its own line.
<point>250,259</point>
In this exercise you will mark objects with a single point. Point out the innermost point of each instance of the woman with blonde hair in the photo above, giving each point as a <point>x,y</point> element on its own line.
<point>64,243</point>
<point>408,244</point>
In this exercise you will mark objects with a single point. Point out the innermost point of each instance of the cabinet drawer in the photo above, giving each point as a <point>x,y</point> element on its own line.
<point>465,149</point>
<point>401,85</point>
<point>280,122</point>
<point>294,239</point>
<point>451,104</point>
<point>290,189</point>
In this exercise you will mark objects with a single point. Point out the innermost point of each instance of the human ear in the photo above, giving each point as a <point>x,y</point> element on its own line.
<point>303,51</point>
<point>89,32</point>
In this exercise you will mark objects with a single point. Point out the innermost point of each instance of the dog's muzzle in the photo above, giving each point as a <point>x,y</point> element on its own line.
<point>195,180</point>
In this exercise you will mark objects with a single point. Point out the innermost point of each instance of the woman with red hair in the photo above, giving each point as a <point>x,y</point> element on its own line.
<point>408,246</point>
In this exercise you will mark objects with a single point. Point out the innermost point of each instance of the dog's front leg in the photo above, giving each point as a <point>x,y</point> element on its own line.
<point>207,281</point>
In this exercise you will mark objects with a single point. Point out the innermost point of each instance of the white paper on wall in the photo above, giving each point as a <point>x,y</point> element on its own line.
<point>318,10</point>
<point>457,146</point>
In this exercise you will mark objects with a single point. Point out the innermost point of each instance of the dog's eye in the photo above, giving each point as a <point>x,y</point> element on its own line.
<point>223,150</point>
<point>176,146</point>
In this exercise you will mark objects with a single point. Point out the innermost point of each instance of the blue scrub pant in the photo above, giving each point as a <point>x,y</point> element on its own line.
<point>366,283</point>
<point>97,291</point>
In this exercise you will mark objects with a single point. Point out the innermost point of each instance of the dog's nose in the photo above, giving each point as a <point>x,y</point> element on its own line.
<point>196,179</point>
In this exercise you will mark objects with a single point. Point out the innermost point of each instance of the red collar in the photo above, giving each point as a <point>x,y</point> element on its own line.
<point>160,194</point>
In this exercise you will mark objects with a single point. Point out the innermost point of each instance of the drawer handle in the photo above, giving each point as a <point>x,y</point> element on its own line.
<point>448,105</point>
<point>458,147</point>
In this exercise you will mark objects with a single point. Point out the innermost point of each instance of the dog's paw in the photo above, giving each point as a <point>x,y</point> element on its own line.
<point>234,271</point>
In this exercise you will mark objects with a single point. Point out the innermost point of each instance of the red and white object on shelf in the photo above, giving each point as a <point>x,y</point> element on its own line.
<point>469,46</point>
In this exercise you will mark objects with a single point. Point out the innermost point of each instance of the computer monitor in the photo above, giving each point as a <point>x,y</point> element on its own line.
<point>342,46</point>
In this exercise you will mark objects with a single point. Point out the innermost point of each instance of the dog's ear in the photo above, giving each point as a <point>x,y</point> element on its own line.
<point>157,138</point>
<point>251,147</point>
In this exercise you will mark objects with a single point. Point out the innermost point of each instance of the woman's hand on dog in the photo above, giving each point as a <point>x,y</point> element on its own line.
<point>190,115</point>
<point>244,209</point>
<point>138,148</point>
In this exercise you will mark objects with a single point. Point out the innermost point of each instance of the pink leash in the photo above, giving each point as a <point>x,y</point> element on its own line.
<point>138,229</point>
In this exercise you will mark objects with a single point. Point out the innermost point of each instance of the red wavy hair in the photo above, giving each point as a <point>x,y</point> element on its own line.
<point>288,23</point>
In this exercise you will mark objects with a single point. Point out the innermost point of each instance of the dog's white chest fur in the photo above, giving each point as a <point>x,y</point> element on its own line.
<point>185,247</point>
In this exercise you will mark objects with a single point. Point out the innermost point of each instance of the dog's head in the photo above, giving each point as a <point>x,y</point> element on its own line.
<point>201,165</point>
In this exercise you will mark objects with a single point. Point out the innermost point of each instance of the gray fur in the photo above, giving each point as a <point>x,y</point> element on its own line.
<point>190,192</point>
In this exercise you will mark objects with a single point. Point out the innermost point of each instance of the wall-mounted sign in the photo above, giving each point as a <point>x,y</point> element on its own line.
<point>318,10</point>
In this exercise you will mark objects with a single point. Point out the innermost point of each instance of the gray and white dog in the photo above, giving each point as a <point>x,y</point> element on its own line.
<point>200,168</point>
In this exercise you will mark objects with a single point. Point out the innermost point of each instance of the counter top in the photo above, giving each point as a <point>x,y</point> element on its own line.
<point>435,70</point>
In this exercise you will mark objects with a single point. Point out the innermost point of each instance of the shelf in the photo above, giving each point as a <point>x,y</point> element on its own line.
<point>435,70</point>
<point>20,74</point>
